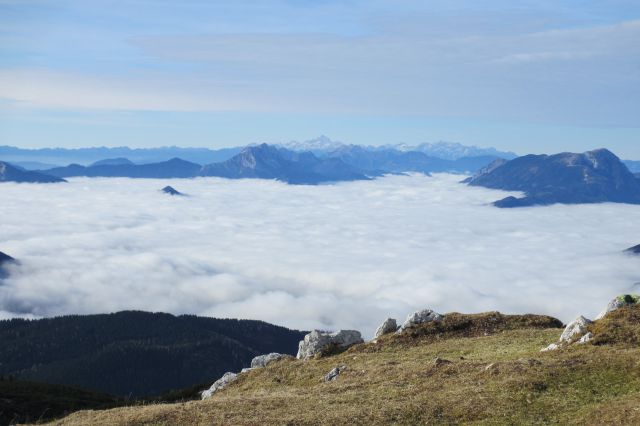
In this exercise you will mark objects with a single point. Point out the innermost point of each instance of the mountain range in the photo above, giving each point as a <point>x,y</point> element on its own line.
<point>569,178</point>
<point>10,173</point>
<point>135,353</point>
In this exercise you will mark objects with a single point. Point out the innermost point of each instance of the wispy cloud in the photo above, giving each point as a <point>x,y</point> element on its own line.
<point>336,256</point>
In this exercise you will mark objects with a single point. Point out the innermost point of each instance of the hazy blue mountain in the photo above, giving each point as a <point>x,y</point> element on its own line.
<point>33,165</point>
<point>120,161</point>
<point>269,162</point>
<point>633,250</point>
<point>453,151</point>
<point>324,146</point>
<point>591,177</point>
<point>170,190</point>
<point>135,353</point>
<point>391,160</point>
<point>5,259</point>
<point>174,168</point>
<point>633,166</point>
<point>10,173</point>
<point>87,156</point>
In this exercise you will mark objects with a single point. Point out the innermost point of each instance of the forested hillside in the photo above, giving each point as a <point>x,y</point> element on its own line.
<point>135,353</point>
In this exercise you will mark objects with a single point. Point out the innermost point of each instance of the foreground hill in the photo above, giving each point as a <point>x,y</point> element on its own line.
<point>134,353</point>
<point>9,173</point>
<point>469,369</point>
<point>592,177</point>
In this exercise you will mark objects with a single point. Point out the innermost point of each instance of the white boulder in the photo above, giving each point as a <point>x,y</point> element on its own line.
<point>262,361</point>
<point>320,341</point>
<point>420,317</point>
<point>219,384</point>
<point>388,326</point>
<point>574,329</point>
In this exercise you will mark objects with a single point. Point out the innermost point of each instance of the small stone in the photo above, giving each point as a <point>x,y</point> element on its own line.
<point>585,339</point>
<point>333,374</point>
<point>440,361</point>
<point>551,347</point>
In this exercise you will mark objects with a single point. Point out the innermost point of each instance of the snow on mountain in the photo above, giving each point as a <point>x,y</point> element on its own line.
<point>453,151</point>
<point>321,144</point>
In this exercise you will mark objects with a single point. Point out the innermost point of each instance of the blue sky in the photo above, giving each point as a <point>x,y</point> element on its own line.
<point>528,76</point>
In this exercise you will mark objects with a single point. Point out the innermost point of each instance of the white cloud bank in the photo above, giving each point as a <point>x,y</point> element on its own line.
<point>339,256</point>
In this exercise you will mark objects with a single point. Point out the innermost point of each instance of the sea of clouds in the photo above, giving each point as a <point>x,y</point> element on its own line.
<point>333,256</point>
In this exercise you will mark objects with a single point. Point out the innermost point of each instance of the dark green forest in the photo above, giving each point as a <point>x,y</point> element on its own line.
<point>135,354</point>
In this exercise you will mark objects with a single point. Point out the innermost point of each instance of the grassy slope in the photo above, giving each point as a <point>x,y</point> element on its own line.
<point>496,376</point>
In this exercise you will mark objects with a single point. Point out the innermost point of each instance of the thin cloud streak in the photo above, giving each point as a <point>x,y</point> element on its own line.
<point>336,256</point>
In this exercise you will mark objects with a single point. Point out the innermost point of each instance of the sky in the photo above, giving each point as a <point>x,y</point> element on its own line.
<point>342,256</point>
<point>520,75</point>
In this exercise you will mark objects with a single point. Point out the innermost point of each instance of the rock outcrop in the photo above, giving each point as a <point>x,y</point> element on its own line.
<point>388,326</point>
<point>221,383</point>
<point>262,361</point>
<point>619,302</point>
<point>420,317</point>
<point>319,342</point>
<point>575,332</point>
<point>576,328</point>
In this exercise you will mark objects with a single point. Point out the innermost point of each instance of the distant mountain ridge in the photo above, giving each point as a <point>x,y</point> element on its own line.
<point>174,168</point>
<point>135,353</point>
<point>569,178</point>
<point>10,173</point>
<point>88,156</point>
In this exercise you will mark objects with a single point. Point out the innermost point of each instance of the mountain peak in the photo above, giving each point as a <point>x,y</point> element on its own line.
<point>569,178</point>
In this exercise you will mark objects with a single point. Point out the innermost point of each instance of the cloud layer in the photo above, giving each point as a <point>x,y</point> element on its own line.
<point>336,256</point>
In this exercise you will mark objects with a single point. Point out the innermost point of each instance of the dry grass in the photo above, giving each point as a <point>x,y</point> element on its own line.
<point>496,376</point>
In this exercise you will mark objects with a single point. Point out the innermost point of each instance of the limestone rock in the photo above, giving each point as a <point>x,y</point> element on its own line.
<point>420,317</point>
<point>585,339</point>
<point>388,326</point>
<point>551,347</point>
<point>262,361</point>
<point>219,384</point>
<point>576,328</point>
<point>619,302</point>
<point>318,342</point>
<point>333,374</point>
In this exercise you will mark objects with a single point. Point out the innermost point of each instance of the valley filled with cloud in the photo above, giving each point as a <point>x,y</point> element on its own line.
<point>330,256</point>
